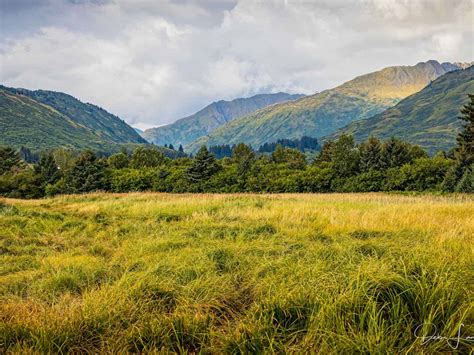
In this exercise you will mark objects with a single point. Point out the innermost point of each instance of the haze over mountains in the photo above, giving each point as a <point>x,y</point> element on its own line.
<point>188,129</point>
<point>427,118</point>
<point>323,113</point>
<point>47,119</point>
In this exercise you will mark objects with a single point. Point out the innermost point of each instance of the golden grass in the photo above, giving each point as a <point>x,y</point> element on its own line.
<point>326,273</point>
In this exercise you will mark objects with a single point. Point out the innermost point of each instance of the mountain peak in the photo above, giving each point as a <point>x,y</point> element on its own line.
<point>188,129</point>
<point>323,113</point>
<point>428,117</point>
<point>430,61</point>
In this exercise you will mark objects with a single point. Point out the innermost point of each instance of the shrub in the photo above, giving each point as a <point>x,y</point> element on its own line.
<point>127,179</point>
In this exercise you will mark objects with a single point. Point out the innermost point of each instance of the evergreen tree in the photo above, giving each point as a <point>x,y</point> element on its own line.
<point>466,183</point>
<point>171,146</point>
<point>48,169</point>
<point>221,151</point>
<point>180,149</point>
<point>10,161</point>
<point>459,178</point>
<point>302,144</point>
<point>325,155</point>
<point>86,175</point>
<point>244,156</point>
<point>27,156</point>
<point>371,155</point>
<point>396,153</point>
<point>465,138</point>
<point>308,143</point>
<point>204,165</point>
<point>345,156</point>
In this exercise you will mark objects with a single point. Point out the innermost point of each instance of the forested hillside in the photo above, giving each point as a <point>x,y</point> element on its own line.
<point>427,118</point>
<point>323,113</point>
<point>340,166</point>
<point>45,119</point>
<point>188,129</point>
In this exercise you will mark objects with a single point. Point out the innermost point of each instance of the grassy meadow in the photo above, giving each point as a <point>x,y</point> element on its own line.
<point>335,273</point>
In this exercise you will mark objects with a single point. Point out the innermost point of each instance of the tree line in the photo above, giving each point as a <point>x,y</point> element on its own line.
<point>340,166</point>
<point>302,144</point>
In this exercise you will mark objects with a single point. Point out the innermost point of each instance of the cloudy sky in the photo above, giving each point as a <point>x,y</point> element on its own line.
<point>154,61</point>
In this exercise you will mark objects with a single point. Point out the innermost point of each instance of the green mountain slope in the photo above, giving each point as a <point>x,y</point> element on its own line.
<point>427,118</point>
<point>190,128</point>
<point>45,119</point>
<point>320,114</point>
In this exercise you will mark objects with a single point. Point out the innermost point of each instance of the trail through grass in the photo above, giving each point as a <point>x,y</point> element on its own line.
<point>336,273</point>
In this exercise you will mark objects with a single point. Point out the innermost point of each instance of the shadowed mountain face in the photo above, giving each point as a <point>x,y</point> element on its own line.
<point>46,119</point>
<point>323,113</point>
<point>428,118</point>
<point>188,129</point>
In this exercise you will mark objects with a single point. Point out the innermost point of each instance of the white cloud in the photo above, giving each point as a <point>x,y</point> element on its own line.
<point>153,62</point>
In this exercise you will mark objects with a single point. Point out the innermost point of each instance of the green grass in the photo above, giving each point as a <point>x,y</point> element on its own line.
<point>336,273</point>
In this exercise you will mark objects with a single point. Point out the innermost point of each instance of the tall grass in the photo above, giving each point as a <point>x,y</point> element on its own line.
<point>339,273</point>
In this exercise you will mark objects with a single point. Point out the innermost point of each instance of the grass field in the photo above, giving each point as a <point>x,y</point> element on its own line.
<point>336,273</point>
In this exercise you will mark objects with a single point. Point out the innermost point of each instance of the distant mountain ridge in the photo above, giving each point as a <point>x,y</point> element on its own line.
<point>428,118</point>
<point>188,129</point>
<point>44,119</point>
<point>323,113</point>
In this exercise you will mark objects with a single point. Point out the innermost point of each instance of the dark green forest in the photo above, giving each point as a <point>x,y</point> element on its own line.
<point>340,166</point>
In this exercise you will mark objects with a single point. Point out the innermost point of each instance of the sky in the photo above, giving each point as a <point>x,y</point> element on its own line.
<point>154,61</point>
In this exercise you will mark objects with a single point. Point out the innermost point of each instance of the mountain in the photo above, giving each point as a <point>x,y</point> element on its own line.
<point>323,113</point>
<point>47,119</point>
<point>188,129</point>
<point>428,118</point>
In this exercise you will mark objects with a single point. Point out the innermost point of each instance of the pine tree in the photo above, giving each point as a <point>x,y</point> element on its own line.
<point>465,138</point>
<point>10,161</point>
<point>170,146</point>
<point>203,167</point>
<point>459,177</point>
<point>466,183</point>
<point>48,169</point>
<point>86,175</point>
<point>27,156</point>
<point>244,156</point>
<point>396,153</point>
<point>345,156</point>
<point>180,149</point>
<point>325,155</point>
<point>371,155</point>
